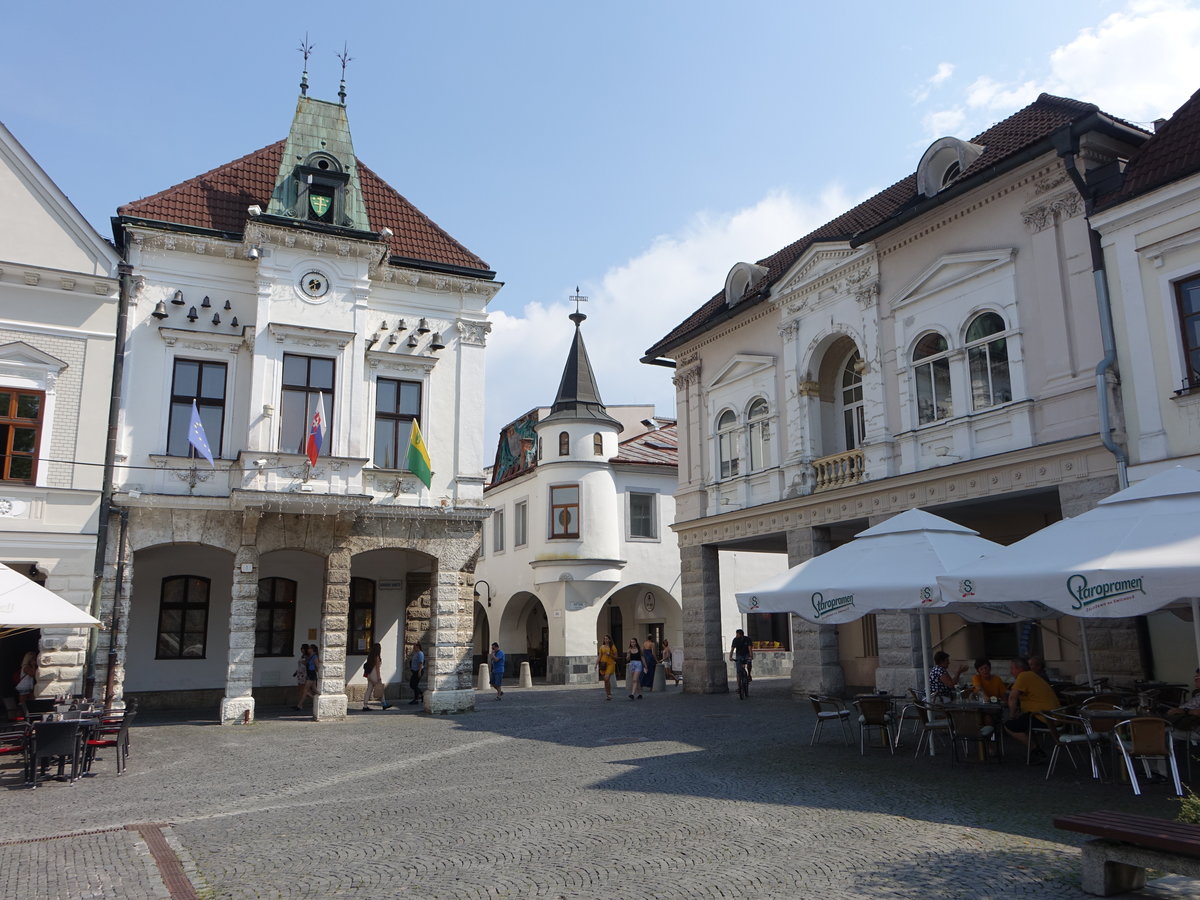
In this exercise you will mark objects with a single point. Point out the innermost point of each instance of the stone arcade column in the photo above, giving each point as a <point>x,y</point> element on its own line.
<point>816,668</point>
<point>448,659</point>
<point>704,670</point>
<point>331,702</point>
<point>1113,642</point>
<point>118,626</point>
<point>899,640</point>
<point>243,612</point>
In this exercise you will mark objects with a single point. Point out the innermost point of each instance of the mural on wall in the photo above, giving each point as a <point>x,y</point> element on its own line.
<point>517,450</point>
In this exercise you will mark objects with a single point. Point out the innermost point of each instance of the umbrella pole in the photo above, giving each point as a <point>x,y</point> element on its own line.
<point>1196,626</point>
<point>926,638</point>
<point>1087,653</point>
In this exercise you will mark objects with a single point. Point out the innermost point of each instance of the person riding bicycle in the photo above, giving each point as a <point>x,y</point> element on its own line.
<point>742,653</point>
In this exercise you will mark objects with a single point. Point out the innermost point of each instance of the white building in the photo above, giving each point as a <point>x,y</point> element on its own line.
<point>580,544</point>
<point>58,315</point>
<point>286,281</point>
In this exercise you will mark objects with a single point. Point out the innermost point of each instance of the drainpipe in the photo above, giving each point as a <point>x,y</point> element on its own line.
<point>1108,342</point>
<point>125,292</point>
<point>114,625</point>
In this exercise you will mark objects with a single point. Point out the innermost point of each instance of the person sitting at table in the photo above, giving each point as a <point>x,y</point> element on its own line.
<point>1187,714</point>
<point>985,682</point>
<point>941,685</point>
<point>1030,694</point>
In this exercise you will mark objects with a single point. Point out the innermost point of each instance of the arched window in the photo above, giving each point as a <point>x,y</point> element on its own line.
<point>853,421</point>
<point>727,444</point>
<point>564,444</point>
<point>598,444</point>
<point>759,434</point>
<point>931,372</point>
<point>987,358</point>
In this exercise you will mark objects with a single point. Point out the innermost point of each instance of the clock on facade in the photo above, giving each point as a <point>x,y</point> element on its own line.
<point>648,602</point>
<point>314,284</point>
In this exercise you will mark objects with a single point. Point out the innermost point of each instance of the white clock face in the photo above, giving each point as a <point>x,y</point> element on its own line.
<point>314,284</point>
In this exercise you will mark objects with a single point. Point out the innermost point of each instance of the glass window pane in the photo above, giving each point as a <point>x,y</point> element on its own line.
<point>1189,297</point>
<point>930,345</point>
<point>385,395</point>
<point>410,398</point>
<point>197,590</point>
<point>320,374</point>
<point>24,440</point>
<point>1001,388</point>
<point>6,400</point>
<point>566,494</point>
<point>193,645</point>
<point>727,420</point>
<point>294,426</point>
<point>177,429</point>
<point>758,409</point>
<point>941,379</point>
<point>20,468</point>
<point>172,590</point>
<point>385,444</point>
<point>981,387</point>
<point>924,379</point>
<point>210,418</point>
<point>29,406</point>
<point>170,620</point>
<point>195,619</point>
<point>186,375</point>
<point>987,324</point>
<point>168,646</point>
<point>295,370</point>
<point>212,386</point>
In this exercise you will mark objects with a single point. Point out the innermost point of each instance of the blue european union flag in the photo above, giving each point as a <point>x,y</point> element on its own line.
<point>197,437</point>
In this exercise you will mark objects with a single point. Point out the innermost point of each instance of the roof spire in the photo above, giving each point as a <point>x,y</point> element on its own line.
<point>306,49</point>
<point>577,317</point>
<point>345,57</point>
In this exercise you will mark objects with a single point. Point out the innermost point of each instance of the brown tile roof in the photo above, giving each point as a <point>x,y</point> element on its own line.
<point>1002,141</point>
<point>217,200</point>
<point>659,447</point>
<point>1172,153</point>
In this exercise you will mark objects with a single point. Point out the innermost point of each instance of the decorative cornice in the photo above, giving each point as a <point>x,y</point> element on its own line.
<point>401,363</point>
<point>1044,215</point>
<point>688,376</point>
<point>261,234</point>
<point>303,336</point>
<point>209,342</point>
<point>438,282</point>
<point>473,333</point>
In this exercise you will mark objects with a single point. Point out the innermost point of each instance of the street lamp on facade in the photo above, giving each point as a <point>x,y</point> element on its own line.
<point>488,594</point>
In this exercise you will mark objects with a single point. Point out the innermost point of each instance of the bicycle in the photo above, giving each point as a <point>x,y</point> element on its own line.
<point>743,679</point>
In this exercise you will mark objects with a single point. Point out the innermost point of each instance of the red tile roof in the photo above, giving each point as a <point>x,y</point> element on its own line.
<point>1001,142</point>
<point>1172,153</point>
<point>658,447</point>
<point>218,199</point>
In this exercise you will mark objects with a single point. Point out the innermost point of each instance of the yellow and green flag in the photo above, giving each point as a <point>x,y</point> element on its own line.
<point>418,456</point>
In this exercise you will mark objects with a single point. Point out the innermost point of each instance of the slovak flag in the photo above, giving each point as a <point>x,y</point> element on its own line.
<point>316,431</point>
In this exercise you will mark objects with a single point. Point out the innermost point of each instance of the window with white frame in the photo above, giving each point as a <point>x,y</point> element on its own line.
<point>397,406</point>
<point>564,443</point>
<point>1187,299</point>
<point>498,531</point>
<point>306,380</point>
<point>520,523</point>
<point>853,417</point>
<point>643,515</point>
<point>758,434</point>
<point>202,383</point>
<point>727,455</point>
<point>931,373</point>
<point>597,444</point>
<point>987,360</point>
<point>564,511</point>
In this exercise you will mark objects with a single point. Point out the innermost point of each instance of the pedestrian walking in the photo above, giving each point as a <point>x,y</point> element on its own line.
<point>649,661</point>
<point>372,669</point>
<point>666,658</point>
<point>416,665</point>
<point>312,667</point>
<point>301,675</point>
<point>606,664</point>
<point>496,667</point>
<point>633,670</point>
<point>27,677</point>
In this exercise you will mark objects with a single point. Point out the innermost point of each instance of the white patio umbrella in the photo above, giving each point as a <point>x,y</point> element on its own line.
<point>25,604</point>
<point>890,567</point>
<point>1136,552</point>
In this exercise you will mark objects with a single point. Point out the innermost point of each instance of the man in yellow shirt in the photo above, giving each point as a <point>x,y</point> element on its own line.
<point>1030,694</point>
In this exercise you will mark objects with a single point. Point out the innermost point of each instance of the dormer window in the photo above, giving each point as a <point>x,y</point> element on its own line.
<point>740,279</point>
<point>952,172</point>
<point>945,160</point>
<point>320,189</point>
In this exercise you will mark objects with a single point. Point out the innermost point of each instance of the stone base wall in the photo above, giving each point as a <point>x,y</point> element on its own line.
<point>765,665</point>
<point>571,670</point>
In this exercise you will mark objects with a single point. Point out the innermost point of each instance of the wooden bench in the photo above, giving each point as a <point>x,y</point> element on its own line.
<point>1127,844</point>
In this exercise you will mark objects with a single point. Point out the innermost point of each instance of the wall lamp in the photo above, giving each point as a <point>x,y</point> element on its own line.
<point>480,581</point>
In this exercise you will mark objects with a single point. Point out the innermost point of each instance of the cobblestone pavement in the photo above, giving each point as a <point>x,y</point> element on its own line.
<point>554,793</point>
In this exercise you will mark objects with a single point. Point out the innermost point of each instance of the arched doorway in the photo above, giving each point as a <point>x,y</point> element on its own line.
<point>525,635</point>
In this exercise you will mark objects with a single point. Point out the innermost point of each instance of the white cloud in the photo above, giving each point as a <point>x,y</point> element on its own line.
<point>944,71</point>
<point>635,304</point>
<point>1139,64</point>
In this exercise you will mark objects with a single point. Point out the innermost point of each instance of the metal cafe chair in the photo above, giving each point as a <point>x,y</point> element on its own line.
<point>114,734</point>
<point>874,714</point>
<point>1146,738</point>
<point>933,722</point>
<point>15,740</point>
<point>829,709</point>
<point>969,728</point>
<point>909,713</point>
<point>1067,732</point>
<point>59,742</point>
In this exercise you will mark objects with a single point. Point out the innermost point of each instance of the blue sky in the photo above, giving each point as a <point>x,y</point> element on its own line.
<point>637,149</point>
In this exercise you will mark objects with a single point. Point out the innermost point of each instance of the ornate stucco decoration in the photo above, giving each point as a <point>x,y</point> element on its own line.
<point>473,333</point>
<point>302,336</point>
<point>808,389</point>
<point>436,282</point>
<point>688,376</point>
<point>214,342</point>
<point>788,330</point>
<point>1044,215</point>
<point>263,235</point>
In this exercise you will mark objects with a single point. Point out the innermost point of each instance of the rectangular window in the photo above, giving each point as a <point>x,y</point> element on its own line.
<point>1187,296</point>
<point>305,378</point>
<point>769,631</point>
<point>20,433</point>
<point>183,618</point>
<point>203,383</point>
<point>361,631</point>
<point>870,635</point>
<point>498,531</point>
<point>520,524</point>
<point>397,406</point>
<point>564,511</point>
<point>933,391</point>
<point>643,521</point>
<point>275,622</point>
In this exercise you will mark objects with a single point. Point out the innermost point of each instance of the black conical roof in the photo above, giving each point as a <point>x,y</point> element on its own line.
<point>578,397</point>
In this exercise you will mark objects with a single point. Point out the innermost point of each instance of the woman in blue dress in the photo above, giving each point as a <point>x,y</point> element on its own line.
<point>496,666</point>
<point>649,661</point>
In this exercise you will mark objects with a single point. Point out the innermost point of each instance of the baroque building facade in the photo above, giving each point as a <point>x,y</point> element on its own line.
<point>309,317</point>
<point>935,346</point>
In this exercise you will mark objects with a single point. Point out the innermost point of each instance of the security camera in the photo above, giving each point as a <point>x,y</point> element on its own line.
<point>385,233</point>
<point>260,462</point>
<point>253,253</point>
<point>255,211</point>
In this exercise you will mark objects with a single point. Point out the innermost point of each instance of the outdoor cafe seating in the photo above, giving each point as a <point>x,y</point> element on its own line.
<point>874,714</point>
<point>1148,739</point>
<point>974,727</point>
<point>829,709</point>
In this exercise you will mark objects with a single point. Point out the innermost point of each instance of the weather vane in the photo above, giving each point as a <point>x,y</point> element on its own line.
<point>577,317</point>
<point>306,50</point>
<point>345,57</point>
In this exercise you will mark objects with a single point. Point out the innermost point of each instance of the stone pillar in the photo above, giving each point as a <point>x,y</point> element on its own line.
<point>816,668</point>
<point>704,670</point>
<point>1113,643</point>
<point>243,614</point>
<point>331,702</point>
<point>418,622</point>
<point>448,659</point>
<point>898,635</point>
<point>115,634</point>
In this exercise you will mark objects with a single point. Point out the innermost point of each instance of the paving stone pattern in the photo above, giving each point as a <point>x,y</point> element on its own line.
<point>555,793</point>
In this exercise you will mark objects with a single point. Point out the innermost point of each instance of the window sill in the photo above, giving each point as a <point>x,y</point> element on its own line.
<point>642,540</point>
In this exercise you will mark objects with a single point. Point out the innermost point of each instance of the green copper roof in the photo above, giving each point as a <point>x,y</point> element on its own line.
<point>319,140</point>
